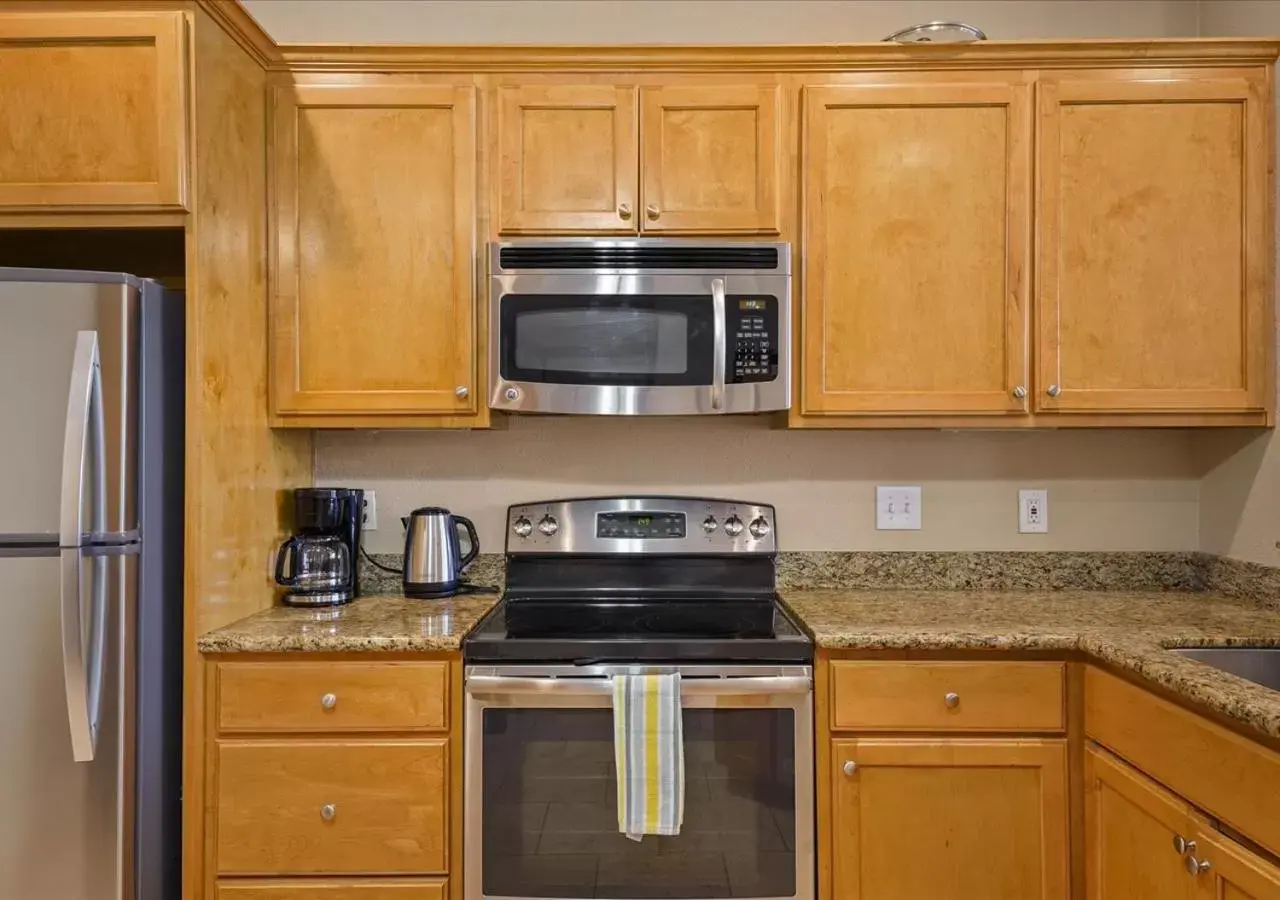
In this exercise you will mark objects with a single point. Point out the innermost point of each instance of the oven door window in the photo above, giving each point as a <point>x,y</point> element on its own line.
<point>624,340</point>
<point>550,814</point>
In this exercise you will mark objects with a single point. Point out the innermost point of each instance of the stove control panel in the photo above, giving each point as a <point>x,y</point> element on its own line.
<point>637,525</point>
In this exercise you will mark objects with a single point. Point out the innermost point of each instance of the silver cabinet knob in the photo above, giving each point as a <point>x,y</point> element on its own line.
<point>328,811</point>
<point>850,767</point>
<point>1019,392</point>
<point>1197,866</point>
<point>461,391</point>
<point>1183,846</point>
<point>1053,390</point>
<point>329,701</point>
<point>952,700</point>
<point>652,211</point>
<point>624,210</point>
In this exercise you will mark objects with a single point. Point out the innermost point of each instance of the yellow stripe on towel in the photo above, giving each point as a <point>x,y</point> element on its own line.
<point>652,753</point>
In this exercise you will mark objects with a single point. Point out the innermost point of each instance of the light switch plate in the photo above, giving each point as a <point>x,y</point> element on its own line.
<point>1033,511</point>
<point>898,507</point>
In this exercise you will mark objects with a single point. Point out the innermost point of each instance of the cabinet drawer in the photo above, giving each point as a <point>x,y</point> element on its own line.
<point>336,807</point>
<point>334,889</point>
<point>92,110</point>
<point>376,696</point>
<point>947,696</point>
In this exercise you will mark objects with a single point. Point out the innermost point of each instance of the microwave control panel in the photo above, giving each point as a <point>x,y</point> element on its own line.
<point>751,323</point>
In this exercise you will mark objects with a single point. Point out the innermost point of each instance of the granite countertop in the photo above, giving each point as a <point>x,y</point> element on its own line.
<point>1130,631</point>
<point>379,622</point>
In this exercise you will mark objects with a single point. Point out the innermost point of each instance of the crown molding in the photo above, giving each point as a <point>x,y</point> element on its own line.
<point>244,29</point>
<point>814,58</point>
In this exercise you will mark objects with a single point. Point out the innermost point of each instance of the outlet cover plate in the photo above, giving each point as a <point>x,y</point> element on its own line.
<point>370,522</point>
<point>898,507</point>
<point>1033,511</point>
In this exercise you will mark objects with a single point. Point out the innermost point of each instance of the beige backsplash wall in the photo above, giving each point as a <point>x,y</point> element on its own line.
<point>1107,490</point>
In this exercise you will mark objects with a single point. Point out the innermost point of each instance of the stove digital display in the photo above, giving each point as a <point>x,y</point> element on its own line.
<point>642,526</point>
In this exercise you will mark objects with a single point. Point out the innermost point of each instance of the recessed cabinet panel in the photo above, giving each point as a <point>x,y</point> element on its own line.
<point>373,286</point>
<point>1153,251</point>
<point>916,270</point>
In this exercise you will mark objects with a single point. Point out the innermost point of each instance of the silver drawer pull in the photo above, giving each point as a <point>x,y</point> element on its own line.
<point>952,700</point>
<point>329,701</point>
<point>1197,866</point>
<point>1183,846</point>
<point>328,811</point>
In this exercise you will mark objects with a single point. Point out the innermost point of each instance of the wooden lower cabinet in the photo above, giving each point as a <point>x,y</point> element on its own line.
<point>960,818</point>
<point>1144,843</point>
<point>344,889</point>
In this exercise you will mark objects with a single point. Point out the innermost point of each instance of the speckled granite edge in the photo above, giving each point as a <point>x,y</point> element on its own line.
<point>1237,578</point>
<point>992,571</point>
<point>995,570</point>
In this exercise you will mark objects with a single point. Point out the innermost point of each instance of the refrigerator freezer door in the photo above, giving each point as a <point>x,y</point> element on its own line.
<point>62,823</point>
<point>40,326</point>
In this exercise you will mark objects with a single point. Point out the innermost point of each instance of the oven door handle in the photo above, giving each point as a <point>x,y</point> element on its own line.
<point>720,338</point>
<point>689,687</point>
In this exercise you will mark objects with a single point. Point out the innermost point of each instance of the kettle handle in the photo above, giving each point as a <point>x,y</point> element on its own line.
<point>475,540</point>
<point>281,555</point>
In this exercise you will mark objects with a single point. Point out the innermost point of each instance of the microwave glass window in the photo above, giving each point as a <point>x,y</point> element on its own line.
<point>603,340</point>
<point>551,815</point>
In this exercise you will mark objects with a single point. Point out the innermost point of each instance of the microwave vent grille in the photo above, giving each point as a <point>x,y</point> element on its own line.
<point>549,256</point>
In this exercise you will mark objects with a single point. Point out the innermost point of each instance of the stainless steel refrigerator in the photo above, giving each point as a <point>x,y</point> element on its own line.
<point>91,464</point>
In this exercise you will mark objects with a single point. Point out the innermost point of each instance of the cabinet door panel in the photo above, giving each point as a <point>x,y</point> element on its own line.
<point>710,158</point>
<point>1130,827</point>
<point>373,277</point>
<point>1234,872</point>
<point>917,200</point>
<point>950,818</point>
<point>92,110</point>
<point>1154,264</point>
<point>567,159</point>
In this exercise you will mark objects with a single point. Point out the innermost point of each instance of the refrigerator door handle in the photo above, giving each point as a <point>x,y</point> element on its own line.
<point>84,425</point>
<point>83,677</point>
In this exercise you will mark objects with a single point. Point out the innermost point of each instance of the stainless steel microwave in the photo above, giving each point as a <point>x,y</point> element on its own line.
<point>639,327</point>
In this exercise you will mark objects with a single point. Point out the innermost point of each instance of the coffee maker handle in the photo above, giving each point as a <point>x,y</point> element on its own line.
<point>475,540</point>
<point>281,555</point>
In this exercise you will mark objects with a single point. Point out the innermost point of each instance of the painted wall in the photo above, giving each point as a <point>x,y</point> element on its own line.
<point>1129,490</point>
<point>1240,494</point>
<point>704,21</point>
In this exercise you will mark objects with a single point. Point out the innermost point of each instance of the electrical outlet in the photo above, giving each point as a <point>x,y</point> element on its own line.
<point>898,508</point>
<point>370,511</point>
<point>1033,511</point>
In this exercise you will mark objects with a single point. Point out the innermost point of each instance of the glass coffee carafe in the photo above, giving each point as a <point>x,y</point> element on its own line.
<point>316,568</point>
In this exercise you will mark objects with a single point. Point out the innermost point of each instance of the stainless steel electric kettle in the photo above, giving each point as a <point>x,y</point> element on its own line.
<point>433,558</point>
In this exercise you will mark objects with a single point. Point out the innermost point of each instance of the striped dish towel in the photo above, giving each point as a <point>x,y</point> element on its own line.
<point>648,748</point>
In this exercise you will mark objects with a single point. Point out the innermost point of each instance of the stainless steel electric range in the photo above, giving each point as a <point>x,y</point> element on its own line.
<point>605,585</point>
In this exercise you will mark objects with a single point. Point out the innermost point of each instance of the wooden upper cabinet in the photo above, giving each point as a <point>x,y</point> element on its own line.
<point>373,274</point>
<point>954,818</point>
<point>566,158</point>
<point>1131,824</point>
<point>1154,243</point>
<point>917,199</point>
<point>709,158</point>
<point>92,110</point>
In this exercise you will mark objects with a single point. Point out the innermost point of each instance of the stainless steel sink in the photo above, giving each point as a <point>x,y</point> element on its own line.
<point>1257,664</point>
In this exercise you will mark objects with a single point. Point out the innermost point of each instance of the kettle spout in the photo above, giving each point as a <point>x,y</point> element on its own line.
<point>404,520</point>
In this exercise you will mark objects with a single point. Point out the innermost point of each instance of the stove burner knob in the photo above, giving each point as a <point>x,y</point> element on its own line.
<point>760,527</point>
<point>733,526</point>
<point>522,527</point>
<point>709,524</point>
<point>548,525</point>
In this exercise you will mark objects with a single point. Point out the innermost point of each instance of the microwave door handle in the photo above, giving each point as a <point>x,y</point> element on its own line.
<point>718,350</point>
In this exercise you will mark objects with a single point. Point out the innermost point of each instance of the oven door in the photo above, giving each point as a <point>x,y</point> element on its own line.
<point>541,808</point>
<point>638,344</point>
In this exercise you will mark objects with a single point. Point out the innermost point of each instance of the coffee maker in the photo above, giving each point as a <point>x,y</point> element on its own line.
<point>319,565</point>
